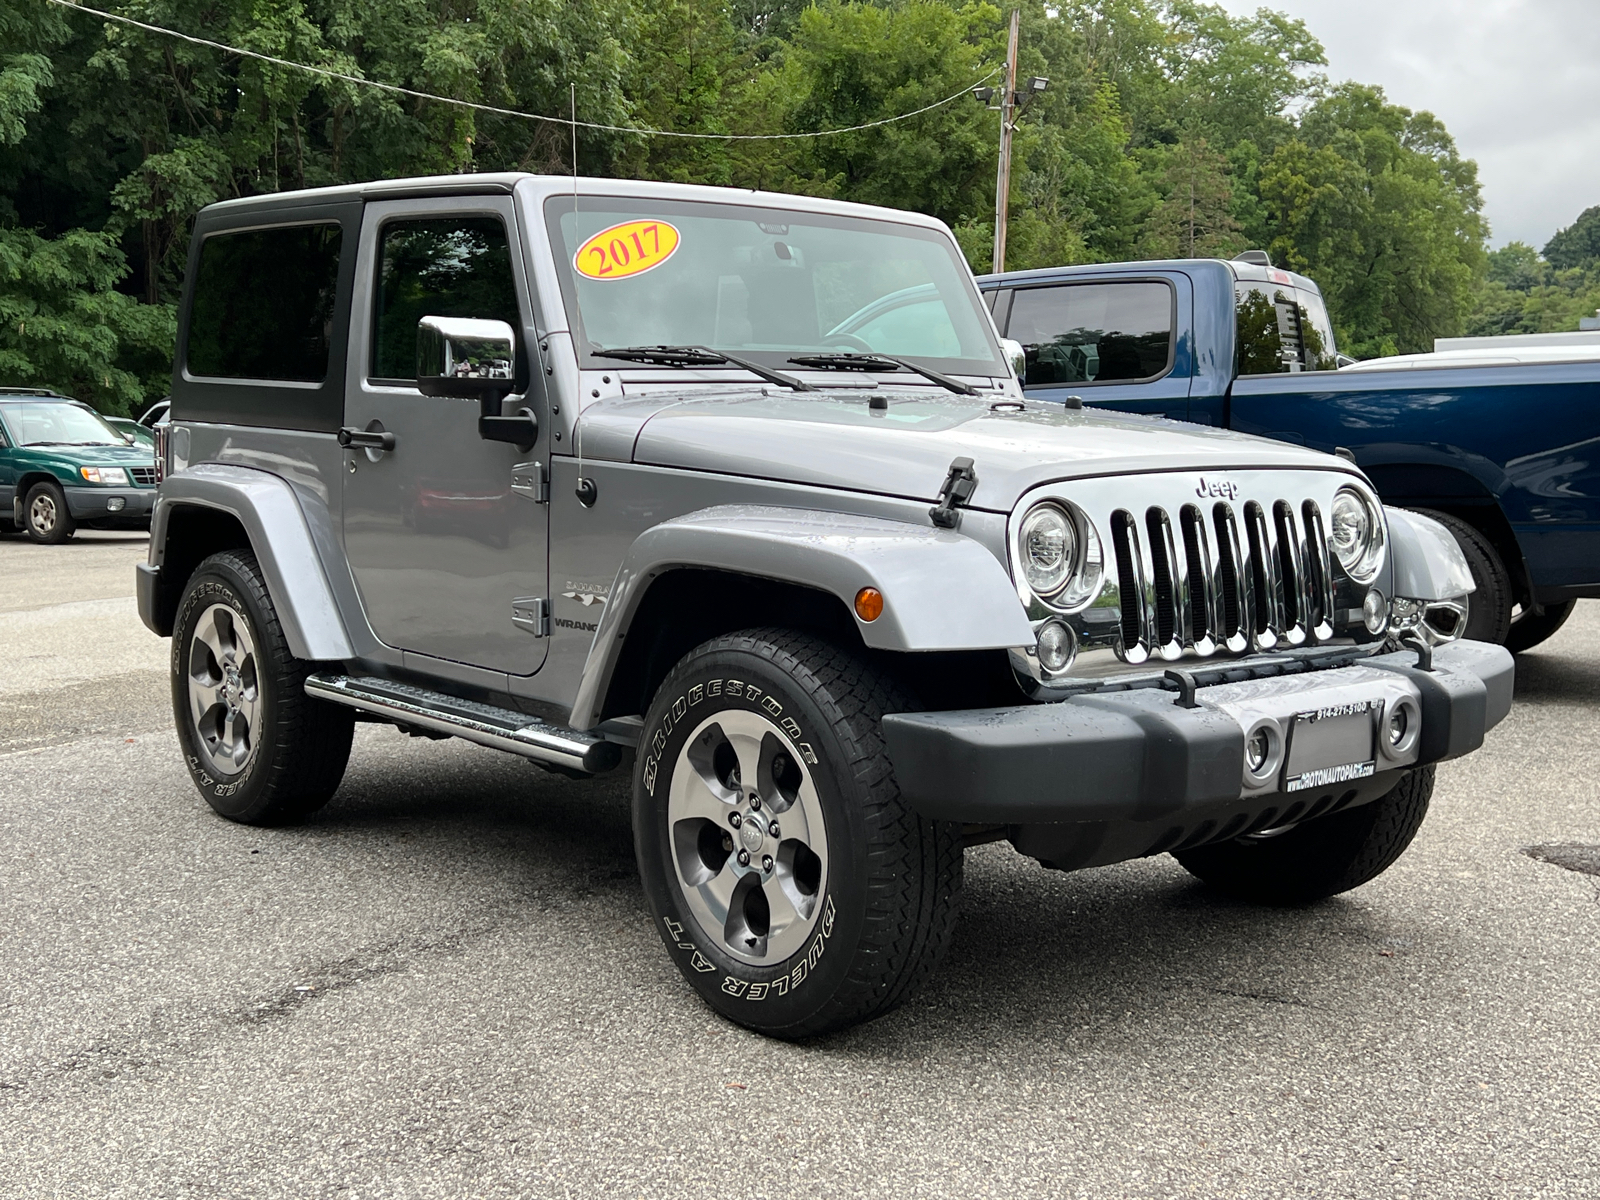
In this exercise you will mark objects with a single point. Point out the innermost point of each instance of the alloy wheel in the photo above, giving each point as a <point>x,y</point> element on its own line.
<point>748,838</point>
<point>224,689</point>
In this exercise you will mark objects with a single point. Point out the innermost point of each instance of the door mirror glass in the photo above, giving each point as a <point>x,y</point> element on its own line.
<point>464,357</point>
<point>1015,355</point>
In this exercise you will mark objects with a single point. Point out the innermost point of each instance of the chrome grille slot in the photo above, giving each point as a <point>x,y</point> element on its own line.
<point>1291,574</point>
<point>1162,581</point>
<point>143,476</point>
<point>1237,618</point>
<point>1130,576</point>
<point>1262,569</point>
<point>1319,572</point>
<point>1205,582</point>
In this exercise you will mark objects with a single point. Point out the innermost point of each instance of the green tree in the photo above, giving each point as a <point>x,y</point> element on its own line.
<point>1578,245</point>
<point>1196,218</point>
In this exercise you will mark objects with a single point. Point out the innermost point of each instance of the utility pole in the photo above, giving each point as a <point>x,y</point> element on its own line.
<point>1008,108</point>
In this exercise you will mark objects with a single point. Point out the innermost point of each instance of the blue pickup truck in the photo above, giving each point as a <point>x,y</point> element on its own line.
<point>1505,453</point>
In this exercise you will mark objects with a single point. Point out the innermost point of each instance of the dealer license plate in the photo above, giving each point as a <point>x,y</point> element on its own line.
<point>1330,746</point>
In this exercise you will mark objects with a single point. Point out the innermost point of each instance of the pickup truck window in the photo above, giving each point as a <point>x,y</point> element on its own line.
<point>263,303</point>
<point>1094,332</point>
<point>766,284</point>
<point>454,267</point>
<point>1281,329</point>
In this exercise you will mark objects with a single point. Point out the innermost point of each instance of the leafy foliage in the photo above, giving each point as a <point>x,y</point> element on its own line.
<point>1169,128</point>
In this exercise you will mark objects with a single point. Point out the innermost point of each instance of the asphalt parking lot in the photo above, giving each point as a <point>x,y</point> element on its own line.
<point>446,984</point>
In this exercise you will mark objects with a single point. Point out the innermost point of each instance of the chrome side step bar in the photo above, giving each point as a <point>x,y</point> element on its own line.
<point>485,724</point>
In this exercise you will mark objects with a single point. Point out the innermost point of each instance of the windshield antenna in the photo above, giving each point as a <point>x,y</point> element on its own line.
<point>585,491</point>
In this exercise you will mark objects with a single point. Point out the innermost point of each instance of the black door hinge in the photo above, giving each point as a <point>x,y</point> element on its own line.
<point>956,490</point>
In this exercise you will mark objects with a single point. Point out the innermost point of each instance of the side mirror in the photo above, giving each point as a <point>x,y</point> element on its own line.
<point>1016,356</point>
<point>474,360</point>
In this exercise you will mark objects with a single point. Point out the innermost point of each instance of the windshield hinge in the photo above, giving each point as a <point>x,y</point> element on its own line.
<point>957,489</point>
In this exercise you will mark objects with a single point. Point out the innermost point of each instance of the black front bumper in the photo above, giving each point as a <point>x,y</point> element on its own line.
<point>94,505</point>
<point>1137,757</point>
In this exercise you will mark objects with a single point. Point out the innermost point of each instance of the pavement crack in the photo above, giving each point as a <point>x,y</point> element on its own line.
<point>1264,997</point>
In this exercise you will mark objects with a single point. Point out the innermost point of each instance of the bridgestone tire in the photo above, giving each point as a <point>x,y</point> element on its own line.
<point>1319,858</point>
<point>45,515</point>
<point>1489,605</point>
<point>291,750</point>
<point>1531,628</point>
<point>883,900</point>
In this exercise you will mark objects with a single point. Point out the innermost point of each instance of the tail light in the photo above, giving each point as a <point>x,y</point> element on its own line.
<point>163,435</point>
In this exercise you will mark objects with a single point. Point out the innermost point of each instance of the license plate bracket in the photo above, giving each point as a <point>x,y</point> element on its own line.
<point>1333,745</point>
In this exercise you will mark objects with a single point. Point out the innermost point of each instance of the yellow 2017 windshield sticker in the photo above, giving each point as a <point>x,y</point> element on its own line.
<point>626,250</point>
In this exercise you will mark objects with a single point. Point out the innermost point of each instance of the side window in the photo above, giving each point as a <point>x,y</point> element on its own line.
<point>450,267</point>
<point>263,303</point>
<point>1281,330</point>
<point>1094,332</point>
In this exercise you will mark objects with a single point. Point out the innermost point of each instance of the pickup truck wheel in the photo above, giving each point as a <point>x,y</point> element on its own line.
<point>260,750</point>
<point>45,514</point>
<point>1321,858</point>
<point>1531,628</point>
<point>793,886</point>
<point>1489,606</point>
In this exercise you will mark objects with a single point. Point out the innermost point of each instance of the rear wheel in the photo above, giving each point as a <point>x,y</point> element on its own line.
<point>793,886</point>
<point>1489,605</point>
<point>260,750</point>
<point>1530,628</point>
<point>45,514</point>
<point>1320,858</point>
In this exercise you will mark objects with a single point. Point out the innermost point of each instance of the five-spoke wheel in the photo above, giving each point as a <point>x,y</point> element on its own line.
<point>224,692</point>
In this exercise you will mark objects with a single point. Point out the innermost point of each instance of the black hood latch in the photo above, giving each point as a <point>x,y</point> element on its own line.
<point>957,489</point>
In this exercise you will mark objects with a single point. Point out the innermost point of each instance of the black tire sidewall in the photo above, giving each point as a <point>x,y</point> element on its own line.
<point>242,797</point>
<point>796,993</point>
<point>1489,605</point>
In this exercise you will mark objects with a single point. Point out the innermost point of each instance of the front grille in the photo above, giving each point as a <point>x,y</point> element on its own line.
<point>143,476</point>
<point>1221,579</point>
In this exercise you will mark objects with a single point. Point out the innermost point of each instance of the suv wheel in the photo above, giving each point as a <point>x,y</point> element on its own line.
<point>45,514</point>
<point>1317,859</point>
<point>260,750</point>
<point>1489,605</point>
<point>793,886</point>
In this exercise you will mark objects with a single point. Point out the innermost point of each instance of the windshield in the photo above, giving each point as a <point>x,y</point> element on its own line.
<point>766,284</point>
<point>48,423</point>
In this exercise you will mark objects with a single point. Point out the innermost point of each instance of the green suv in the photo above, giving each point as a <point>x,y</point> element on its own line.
<point>63,466</point>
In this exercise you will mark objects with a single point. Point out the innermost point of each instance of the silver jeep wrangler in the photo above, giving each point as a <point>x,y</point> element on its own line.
<point>739,491</point>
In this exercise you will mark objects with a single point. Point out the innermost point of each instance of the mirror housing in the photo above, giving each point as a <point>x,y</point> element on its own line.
<point>1016,356</point>
<point>471,359</point>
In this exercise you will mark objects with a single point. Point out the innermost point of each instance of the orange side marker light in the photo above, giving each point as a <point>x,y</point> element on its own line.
<point>869,604</point>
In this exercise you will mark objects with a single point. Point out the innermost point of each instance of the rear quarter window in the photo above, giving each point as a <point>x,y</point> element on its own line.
<point>1281,329</point>
<point>263,304</point>
<point>1094,332</point>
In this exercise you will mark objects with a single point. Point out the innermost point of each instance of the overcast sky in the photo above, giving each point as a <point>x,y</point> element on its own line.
<point>1516,81</point>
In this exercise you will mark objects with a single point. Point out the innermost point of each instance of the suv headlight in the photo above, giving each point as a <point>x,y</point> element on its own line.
<point>115,476</point>
<point>1356,531</point>
<point>1060,556</point>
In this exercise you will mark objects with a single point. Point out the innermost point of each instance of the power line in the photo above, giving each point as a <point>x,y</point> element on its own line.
<point>509,112</point>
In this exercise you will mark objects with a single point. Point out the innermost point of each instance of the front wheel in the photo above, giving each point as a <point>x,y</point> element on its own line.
<point>260,750</point>
<point>48,521</point>
<point>1320,858</point>
<point>793,886</point>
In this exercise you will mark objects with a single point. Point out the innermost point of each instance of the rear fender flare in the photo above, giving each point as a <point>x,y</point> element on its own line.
<point>266,506</point>
<point>942,591</point>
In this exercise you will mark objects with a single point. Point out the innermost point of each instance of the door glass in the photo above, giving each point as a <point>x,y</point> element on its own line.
<point>454,267</point>
<point>1281,329</point>
<point>1094,332</point>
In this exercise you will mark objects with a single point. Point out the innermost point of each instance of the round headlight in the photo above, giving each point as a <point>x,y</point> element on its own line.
<point>1356,532</point>
<point>1048,546</point>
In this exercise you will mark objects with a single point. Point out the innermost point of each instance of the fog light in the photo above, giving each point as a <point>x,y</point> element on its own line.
<point>115,504</point>
<point>1057,647</point>
<point>1399,724</point>
<point>1257,750</point>
<point>1375,612</point>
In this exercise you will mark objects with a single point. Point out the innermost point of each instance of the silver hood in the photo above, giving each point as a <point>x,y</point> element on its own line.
<point>835,440</point>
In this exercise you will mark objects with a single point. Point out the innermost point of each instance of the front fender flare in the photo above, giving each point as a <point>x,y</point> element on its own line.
<point>942,591</point>
<point>1427,563</point>
<point>266,506</point>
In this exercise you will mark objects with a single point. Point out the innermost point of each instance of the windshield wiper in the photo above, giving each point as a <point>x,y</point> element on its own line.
<point>699,356</point>
<point>880,362</point>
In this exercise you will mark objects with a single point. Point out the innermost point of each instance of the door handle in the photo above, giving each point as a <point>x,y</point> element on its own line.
<point>367,439</point>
